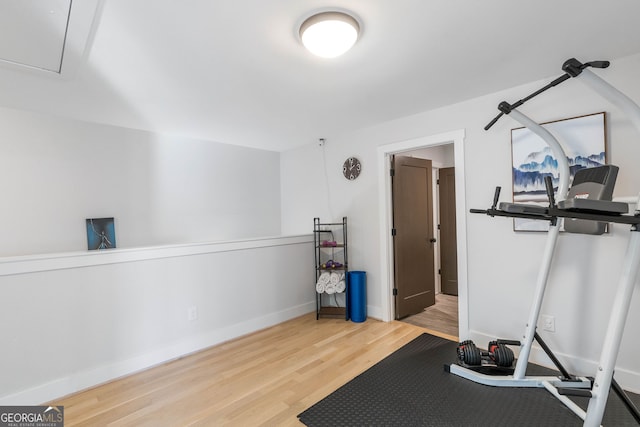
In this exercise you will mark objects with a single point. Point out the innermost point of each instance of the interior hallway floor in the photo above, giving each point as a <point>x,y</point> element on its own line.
<point>441,317</point>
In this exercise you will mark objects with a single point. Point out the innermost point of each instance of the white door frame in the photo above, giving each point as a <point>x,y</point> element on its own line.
<point>385,211</point>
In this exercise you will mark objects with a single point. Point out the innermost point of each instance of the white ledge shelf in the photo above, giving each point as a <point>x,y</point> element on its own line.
<point>65,260</point>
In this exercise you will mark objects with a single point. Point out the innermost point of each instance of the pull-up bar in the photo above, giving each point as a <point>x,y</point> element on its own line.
<point>572,68</point>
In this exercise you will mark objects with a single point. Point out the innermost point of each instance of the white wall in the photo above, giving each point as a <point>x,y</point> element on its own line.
<point>502,264</point>
<point>441,156</point>
<point>72,318</point>
<point>160,189</point>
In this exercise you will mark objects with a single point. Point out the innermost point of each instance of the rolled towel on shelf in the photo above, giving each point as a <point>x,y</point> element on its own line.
<point>324,278</point>
<point>334,278</point>
<point>330,288</point>
<point>341,286</point>
<point>320,287</point>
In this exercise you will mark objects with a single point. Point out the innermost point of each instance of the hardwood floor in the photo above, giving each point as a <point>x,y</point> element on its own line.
<point>265,378</point>
<point>441,317</point>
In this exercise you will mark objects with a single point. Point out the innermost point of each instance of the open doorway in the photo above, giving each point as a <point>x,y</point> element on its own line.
<point>454,139</point>
<point>440,312</point>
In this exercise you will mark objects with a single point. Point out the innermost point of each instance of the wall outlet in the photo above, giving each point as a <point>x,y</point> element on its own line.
<point>192,313</point>
<point>548,323</point>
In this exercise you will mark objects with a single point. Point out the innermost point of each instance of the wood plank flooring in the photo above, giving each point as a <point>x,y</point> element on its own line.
<point>441,317</point>
<point>265,378</point>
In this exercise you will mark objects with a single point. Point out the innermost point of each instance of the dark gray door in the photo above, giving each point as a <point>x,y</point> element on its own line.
<point>414,240</point>
<point>448,243</point>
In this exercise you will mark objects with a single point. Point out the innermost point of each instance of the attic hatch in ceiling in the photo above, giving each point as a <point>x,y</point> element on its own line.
<point>45,35</point>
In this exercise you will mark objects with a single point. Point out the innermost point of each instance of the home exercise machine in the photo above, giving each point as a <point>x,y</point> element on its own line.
<point>585,209</point>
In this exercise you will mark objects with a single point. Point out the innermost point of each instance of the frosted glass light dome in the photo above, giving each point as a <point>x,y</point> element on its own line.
<point>329,34</point>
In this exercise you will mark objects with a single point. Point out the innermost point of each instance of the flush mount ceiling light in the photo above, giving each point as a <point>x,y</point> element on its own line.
<point>329,34</point>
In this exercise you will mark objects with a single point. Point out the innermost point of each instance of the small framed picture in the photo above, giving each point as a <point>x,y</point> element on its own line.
<point>101,233</point>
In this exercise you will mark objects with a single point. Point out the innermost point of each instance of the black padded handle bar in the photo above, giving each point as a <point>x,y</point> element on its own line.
<point>548,184</point>
<point>496,196</point>
<point>508,342</point>
<point>572,68</point>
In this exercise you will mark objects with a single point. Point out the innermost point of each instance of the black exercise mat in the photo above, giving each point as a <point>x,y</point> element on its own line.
<point>411,388</point>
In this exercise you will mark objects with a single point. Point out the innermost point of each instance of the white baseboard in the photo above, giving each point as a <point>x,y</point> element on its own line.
<point>629,380</point>
<point>56,389</point>
<point>374,312</point>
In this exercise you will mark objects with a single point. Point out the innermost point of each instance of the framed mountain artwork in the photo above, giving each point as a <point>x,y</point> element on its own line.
<point>584,142</point>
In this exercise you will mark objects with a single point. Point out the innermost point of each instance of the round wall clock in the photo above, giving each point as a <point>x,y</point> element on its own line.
<point>351,168</point>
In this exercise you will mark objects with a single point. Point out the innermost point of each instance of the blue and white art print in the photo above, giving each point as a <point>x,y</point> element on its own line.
<point>101,233</point>
<point>583,140</point>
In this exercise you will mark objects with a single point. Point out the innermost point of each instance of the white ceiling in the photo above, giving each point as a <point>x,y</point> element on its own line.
<point>234,71</point>
<point>33,32</point>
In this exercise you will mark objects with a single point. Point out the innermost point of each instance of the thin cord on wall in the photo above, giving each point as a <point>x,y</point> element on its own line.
<point>326,178</point>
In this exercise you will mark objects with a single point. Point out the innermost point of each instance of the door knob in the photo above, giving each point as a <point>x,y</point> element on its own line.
<point>433,240</point>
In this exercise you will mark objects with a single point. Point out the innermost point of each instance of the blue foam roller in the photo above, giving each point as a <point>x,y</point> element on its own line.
<point>357,305</point>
